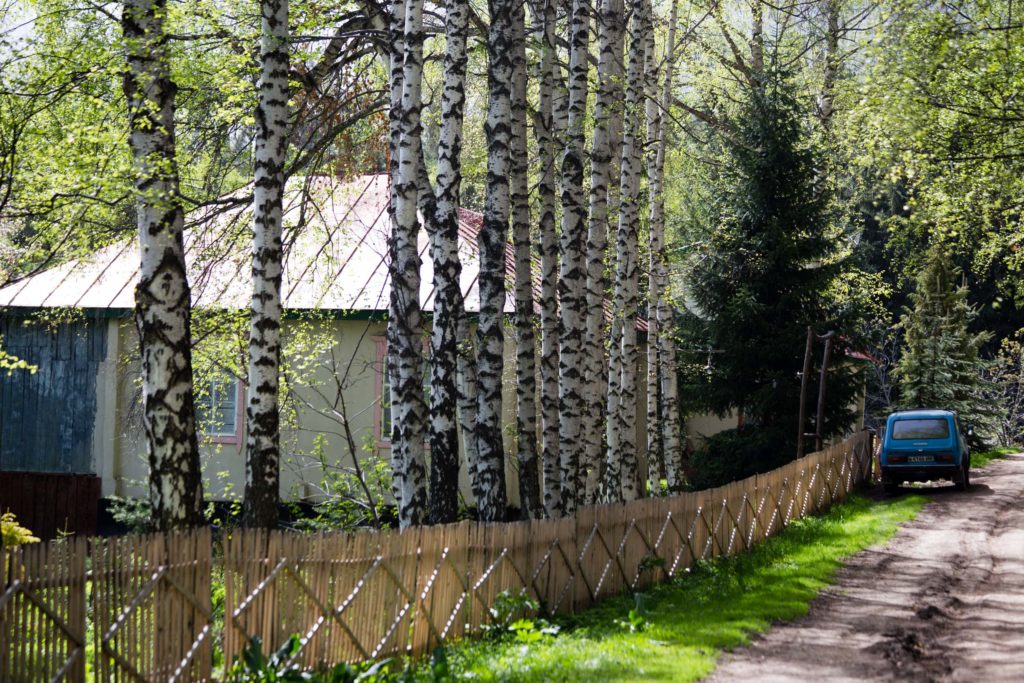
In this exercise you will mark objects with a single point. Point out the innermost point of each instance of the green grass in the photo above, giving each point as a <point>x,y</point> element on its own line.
<point>979,460</point>
<point>688,622</point>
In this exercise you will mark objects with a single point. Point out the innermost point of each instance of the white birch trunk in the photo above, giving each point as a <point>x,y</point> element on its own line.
<point>826,98</point>
<point>572,274</point>
<point>526,364</point>
<point>467,386</point>
<point>263,447</point>
<point>663,381</point>
<point>544,130</point>
<point>396,58</point>
<point>607,129</point>
<point>656,249</point>
<point>448,304</point>
<point>492,497</point>
<point>405,354</point>
<point>757,41</point>
<point>625,460</point>
<point>162,295</point>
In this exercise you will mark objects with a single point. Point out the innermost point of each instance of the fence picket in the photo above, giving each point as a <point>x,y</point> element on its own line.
<point>369,595</point>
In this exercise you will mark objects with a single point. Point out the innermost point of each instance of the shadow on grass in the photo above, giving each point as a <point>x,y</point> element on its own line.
<point>688,621</point>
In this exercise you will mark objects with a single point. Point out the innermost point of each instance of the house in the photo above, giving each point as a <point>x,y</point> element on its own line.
<point>75,423</point>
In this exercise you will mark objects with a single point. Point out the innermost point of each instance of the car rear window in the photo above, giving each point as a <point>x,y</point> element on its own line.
<point>930,428</point>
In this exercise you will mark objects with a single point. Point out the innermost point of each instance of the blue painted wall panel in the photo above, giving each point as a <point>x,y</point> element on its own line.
<point>47,419</point>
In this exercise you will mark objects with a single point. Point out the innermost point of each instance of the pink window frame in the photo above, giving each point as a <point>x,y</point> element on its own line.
<point>240,402</point>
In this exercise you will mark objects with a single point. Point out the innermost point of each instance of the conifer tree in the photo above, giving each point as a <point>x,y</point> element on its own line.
<point>939,366</point>
<point>764,272</point>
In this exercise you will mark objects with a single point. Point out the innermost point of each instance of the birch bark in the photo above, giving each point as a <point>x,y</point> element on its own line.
<point>263,443</point>
<point>492,498</point>
<point>607,132</point>
<point>405,355</point>
<point>622,465</point>
<point>826,98</point>
<point>656,237</point>
<point>526,365</point>
<point>572,273</point>
<point>467,386</point>
<point>757,41</point>
<point>545,133</point>
<point>663,381</point>
<point>162,295</point>
<point>448,304</point>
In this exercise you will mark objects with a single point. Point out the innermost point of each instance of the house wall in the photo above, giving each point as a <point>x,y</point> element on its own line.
<point>312,426</point>
<point>94,420</point>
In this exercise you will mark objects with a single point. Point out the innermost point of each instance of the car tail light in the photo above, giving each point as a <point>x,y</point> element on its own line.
<point>944,457</point>
<point>897,458</point>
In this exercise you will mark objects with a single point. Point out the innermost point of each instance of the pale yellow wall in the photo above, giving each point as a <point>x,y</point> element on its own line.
<point>105,434</point>
<point>316,420</point>
<point>120,450</point>
<point>700,427</point>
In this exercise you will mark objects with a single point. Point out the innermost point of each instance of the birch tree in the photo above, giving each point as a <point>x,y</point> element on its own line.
<point>664,442</point>
<point>448,304</point>
<point>572,272</point>
<point>544,128</point>
<point>162,295</point>
<point>263,443</point>
<point>405,354</point>
<point>467,394</point>
<point>606,144</point>
<point>825,105</point>
<point>622,464</point>
<point>672,442</point>
<point>526,364</point>
<point>493,235</point>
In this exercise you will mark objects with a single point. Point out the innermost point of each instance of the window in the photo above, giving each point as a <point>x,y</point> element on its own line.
<point>218,407</point>
<point>935,428</point>
<point>384,390</point>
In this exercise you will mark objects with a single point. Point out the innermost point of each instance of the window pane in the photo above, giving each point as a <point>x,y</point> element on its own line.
<point>217,407</point>
<point>920,429</point>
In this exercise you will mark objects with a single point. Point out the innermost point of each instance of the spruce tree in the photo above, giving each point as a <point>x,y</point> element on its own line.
<point>770,256</point>
<point>939,366</point>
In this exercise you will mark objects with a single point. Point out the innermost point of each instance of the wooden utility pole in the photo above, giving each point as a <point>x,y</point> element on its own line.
<point>804,379</point>
<point>804,382</point>
<point>820,418</point>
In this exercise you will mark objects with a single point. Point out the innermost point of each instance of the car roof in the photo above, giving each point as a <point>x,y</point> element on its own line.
<point>924,413</point>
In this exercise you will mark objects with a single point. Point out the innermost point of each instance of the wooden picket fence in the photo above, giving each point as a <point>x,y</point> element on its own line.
<point>142,608</point>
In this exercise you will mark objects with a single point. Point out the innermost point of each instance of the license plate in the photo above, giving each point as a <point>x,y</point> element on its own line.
<point>919,458</point>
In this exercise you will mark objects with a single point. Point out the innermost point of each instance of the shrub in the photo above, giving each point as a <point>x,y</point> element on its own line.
<point>13,533</point>
<point>132,513</point>
<point>254,666</point>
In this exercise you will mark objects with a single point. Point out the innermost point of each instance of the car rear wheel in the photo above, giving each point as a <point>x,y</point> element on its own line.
<point>963,482</point>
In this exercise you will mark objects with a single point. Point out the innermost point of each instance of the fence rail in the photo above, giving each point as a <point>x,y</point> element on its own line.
<point>147,606</point>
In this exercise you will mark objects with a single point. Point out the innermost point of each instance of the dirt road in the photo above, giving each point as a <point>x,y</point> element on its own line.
<point>943,601</point>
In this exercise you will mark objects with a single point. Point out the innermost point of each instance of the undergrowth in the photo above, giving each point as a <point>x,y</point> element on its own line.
<point>984,458</point>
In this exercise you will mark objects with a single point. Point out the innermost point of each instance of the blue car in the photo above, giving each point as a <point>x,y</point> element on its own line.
<point>924,445</point>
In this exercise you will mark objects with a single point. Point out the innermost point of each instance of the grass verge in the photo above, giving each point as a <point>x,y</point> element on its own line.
<point>979,460</point>
<point>677,630</point>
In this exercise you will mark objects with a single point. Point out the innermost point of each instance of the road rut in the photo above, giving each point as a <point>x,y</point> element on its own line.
<point>942,601</point>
